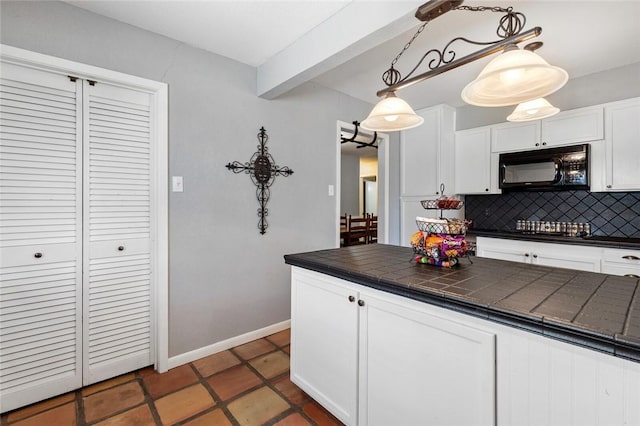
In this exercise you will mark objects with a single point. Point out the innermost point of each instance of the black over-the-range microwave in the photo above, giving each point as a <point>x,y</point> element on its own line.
<point>553,169</point>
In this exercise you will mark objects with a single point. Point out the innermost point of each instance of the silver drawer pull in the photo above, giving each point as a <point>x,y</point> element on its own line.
<point>37,255</point>
<point>120,248</point>
<point>631,257</point>
<point>632,275</point>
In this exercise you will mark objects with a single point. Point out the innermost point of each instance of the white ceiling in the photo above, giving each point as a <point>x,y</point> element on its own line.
<point>580,36</point>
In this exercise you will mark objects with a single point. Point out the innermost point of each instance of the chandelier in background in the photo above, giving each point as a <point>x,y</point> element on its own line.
<point>516,76</point>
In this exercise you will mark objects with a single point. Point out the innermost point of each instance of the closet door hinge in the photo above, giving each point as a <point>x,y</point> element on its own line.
<point>74,79</point>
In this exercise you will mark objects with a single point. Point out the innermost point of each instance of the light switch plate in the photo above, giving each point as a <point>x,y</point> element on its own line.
<point>331,191</point>
<point>177,184</point>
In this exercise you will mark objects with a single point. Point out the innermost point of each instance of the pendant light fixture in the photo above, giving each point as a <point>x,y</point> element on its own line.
<point>533,110</point>
<point>392,114</point>
<point>515,77</point>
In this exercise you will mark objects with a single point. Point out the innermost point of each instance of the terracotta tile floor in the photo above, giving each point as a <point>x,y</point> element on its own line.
<point>244,386</point>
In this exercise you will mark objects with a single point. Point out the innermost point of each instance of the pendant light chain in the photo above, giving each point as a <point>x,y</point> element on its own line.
<point>392,75</point>
<point>510,24</point>
<point>406,46</point>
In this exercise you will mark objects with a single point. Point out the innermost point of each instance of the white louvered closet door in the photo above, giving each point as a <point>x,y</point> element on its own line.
<point>40,235</point>
<point>117,230</point>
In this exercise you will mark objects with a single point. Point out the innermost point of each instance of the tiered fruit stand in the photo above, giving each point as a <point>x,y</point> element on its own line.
<point>440,242</point>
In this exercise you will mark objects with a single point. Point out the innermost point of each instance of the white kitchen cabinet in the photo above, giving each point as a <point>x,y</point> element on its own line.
<point>542,381</point>
<point>411,363</point>
<point>427,155</point>
<point>566,128</point>
<point>416,367</point>
<point>373,358</point>
<point>324,341</point>
<point>622,145</point>
<point>476,167</point>
<point>621,262</point>
<point>577,257</point>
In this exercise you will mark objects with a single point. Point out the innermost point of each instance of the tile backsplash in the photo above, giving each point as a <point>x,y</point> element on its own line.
<point>614,214</point>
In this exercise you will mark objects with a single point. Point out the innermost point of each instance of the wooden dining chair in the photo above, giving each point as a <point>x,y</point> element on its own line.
<point>358,230</point>
<point>344,230</point>
<point>372,236</point>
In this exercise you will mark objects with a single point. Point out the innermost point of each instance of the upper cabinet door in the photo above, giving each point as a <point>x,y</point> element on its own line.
<point>473,161</point>
<point>508,137</point>
<point>426,154</point>
<point>622,145</point>
<point>582,125</point>
<point>570,127</point>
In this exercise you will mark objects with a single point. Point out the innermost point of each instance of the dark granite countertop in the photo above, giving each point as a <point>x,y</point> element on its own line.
<point>598,311</point>
<point>594,241</point>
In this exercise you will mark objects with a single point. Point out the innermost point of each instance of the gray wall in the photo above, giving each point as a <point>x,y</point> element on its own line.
<point>225,278</point>
<point>349,184</point>
<point>607,86</point>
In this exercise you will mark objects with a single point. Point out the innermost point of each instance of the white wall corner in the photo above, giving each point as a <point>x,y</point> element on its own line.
<point>355,29</point>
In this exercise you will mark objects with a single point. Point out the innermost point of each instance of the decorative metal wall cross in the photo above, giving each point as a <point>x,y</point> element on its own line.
<point>263,170</point>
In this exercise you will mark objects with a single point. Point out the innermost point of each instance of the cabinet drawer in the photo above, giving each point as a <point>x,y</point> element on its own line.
<point>623,256</point>
<point>621,262</point>
<point>613,268</point>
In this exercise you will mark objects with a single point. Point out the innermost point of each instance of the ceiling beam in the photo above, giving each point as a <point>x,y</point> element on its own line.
<point>356,28</point>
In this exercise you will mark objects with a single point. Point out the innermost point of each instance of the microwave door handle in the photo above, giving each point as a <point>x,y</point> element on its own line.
<point>559,170</point>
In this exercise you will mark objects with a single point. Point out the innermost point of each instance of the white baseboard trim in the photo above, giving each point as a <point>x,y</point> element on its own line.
<point>178,360</point>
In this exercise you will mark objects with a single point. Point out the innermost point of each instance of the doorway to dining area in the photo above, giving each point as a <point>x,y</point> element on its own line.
<point>361,196</point>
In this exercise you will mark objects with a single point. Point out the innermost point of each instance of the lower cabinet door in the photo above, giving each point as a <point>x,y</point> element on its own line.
<point>422,369</point>
<point>324,341</point>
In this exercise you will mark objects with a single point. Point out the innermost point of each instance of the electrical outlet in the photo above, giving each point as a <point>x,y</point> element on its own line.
<point>331,191</point>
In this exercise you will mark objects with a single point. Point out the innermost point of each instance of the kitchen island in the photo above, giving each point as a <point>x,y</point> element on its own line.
<point>377,338</point>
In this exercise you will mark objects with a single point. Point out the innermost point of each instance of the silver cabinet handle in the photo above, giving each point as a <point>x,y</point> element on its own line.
<point>535,256</point>
<point>526,255</point>
<point>631,257</point>
<point>360,302</point>
<point>352,299</point>
<point>37,255</point>
<point>632,275</point>
<point>609,186</point>
<point>120,248</point>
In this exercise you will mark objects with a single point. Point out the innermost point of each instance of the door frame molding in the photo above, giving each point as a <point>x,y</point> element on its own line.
<point>160,170</point>
<point>383,176</point>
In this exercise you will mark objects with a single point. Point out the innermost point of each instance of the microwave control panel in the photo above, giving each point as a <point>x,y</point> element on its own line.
<point>575,170</point>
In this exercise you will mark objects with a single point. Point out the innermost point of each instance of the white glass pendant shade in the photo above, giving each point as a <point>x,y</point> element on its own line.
<point>533,110</point>
<point>514,77</point>
<point>391,114</point>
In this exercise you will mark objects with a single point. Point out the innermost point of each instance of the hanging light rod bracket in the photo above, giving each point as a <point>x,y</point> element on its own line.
<point>487,51</point>
<point>432,9</point>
